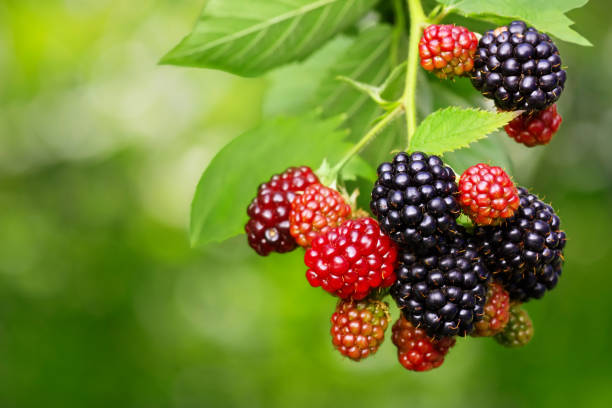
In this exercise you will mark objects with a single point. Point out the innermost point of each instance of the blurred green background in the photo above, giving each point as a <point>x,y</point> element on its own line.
<point>103,303</point>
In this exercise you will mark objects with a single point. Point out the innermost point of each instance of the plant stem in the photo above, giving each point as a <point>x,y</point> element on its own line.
<point>417,20</point>
<point>372,133</point>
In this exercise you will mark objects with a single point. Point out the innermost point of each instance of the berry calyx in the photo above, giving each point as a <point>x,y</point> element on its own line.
<point>268,226</point>
<point>358,327</point>
<point>525,253</point>
<point>350,260</point>
<point>315,212</point>
<point>416,351</point>
<point>518,331</point>
<point>415,200</point>
<point>444,294</point>
<point>519,68</point>
<point>487,194</point>
<point>535,128</point>
<point>447,50</point>
<point>496,312</point>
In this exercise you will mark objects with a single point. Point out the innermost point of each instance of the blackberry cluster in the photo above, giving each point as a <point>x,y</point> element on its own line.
<point>444,294</point>
<point>525,253</point>
<point>519,68</point>
<point>415,200</point>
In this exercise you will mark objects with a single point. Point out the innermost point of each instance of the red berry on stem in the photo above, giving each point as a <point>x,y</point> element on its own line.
<point>487,194</point>
<point>415,350</point>
<point>447,50</point>
<point>268,226</point>
<point>350,260</point>
<point>496,312</point>
<point>358,327</point>
<point>315,212</point>
<point>535,128</point>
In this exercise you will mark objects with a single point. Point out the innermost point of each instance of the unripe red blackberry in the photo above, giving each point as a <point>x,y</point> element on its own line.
<point>525,253</point>
<point>358,327</point>
<point>444,294</point>
<point>315,212</point>
<point>535,128</point>
<point>268,226</point>
<point>487,194</point>
<point>496,312</point>
<point>519,68</point>
<point>350,260</point>
<point>447,50</point>
<point>519,330</point>
<point>416,351</point>
<point>415,200</point>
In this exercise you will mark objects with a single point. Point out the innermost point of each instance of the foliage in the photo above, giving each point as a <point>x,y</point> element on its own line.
<point>363,84</point>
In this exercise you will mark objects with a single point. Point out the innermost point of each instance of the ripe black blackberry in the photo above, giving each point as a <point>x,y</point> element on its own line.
<point>444,294</point>
<point>415,200</point>
<point>525,253</point>
<point>519,68</point>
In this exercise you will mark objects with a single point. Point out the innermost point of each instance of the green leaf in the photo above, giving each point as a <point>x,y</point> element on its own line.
<point>229,183</point>
<point>251,37</point>
<point>358,167</point>
<point>453,128</point>
<point>490,150</point>
<point>367,60</point>
<point>545,15</point>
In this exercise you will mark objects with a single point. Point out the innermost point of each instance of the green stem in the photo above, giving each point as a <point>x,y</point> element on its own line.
<point>417,20</point>
<point>368,137</point>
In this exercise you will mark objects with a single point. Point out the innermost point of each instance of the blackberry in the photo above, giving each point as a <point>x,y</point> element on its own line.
<point>415,200</point>
<point>444,294</point>
<point>519,68</point>
<point>358,327</point>
<point>415,350</point>
<point>268,226</point>
<point>535,128</point>
<point>350,260</point>
<point>447,50</point>
<point>519,330</point>
<point>525,253</point>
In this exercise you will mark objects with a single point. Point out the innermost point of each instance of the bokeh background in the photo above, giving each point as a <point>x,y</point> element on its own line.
<point>103,303</point>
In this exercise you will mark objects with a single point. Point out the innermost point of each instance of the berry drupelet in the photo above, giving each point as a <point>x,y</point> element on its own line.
<point>447,50</point>
<point>416,351</point>
<point>525,253</point>
<point>358,327</point>
<point>415,200</point>
<point>268,226</point>
<point>487,194</point>
<point>444,294</point>
<point>350,260</point>
<point>519,68</point>
<point>535,128</point>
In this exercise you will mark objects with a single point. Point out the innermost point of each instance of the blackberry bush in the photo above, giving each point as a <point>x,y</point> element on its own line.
<point>519,68</point>
<point>452,256</point>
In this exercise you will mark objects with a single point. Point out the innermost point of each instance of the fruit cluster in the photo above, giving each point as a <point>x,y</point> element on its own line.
<point>459,255</point>
<point>516,66</point>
